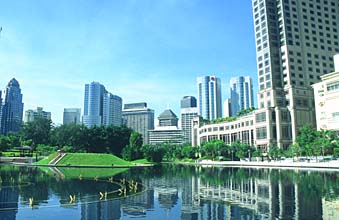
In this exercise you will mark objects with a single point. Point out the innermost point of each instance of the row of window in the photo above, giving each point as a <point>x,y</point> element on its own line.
<point>333,86</point>
<point>228,127</point>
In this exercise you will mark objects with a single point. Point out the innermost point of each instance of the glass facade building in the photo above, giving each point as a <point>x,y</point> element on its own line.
<point>112,110</point>
<point>12,108</point>
<point>101,107</point>
<point>71,115</point>
<point>209,97</point>
<point>241,94</point>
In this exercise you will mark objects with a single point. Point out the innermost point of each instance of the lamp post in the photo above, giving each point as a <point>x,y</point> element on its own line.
<point>232,155</point>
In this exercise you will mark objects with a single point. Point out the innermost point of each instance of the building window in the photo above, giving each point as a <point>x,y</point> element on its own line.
<point>261,133</point>
<point>260,117</point>
<point>333,86</point>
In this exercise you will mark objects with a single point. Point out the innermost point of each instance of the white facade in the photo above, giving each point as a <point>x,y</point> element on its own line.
<point>187,115</point>
<point>243,129</point>
<point>31,115</point>
<point>336,63</point>
<point>209,97</point>
<point>165,134</point>
<point>326,95</point>
<point>227,108</point>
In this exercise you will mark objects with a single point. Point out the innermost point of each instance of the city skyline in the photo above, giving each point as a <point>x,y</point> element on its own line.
<point>123,46</point>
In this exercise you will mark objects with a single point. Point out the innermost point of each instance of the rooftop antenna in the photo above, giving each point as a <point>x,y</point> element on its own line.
<point>168,106</point>
<point>0,30</point>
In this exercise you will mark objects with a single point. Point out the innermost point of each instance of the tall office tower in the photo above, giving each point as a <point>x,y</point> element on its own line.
<point>93,105</point>
<point>71,116</point>
<point>12,109</point>
<point>112,110</point>
<point>241,94</point>
<point>295,43</point>
<point>209,97</point>
<point>140,118</point>
<point>189,110</point>
<point>31,115</point>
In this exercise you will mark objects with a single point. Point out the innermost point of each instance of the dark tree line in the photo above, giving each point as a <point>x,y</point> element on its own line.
<point>41,134</point>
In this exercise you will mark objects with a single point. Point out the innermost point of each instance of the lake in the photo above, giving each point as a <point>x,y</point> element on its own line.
<point>167,192</point>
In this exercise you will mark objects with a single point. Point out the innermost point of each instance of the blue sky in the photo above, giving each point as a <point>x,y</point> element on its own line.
<point>141,50</point>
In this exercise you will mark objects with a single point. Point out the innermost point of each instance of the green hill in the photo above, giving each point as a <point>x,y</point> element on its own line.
<point>92,159</point>
<point>87,159</point>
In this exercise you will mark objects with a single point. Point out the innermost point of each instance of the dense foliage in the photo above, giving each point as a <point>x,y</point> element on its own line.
<point>41,135</point>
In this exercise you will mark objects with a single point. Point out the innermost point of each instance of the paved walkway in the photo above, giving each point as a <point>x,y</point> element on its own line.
<point>334,165</point>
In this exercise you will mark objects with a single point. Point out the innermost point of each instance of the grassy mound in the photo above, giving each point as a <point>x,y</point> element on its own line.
<point>47,159</point>
<point>92,159</point>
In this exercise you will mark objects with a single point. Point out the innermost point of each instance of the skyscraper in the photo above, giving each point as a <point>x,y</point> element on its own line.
<point>31,115</point>
<point>12,109</point>
<point>209,97</point>
<point>241,94</point>
<point>140,118</point>
<point>112,110</point>
<point>189,110</point>
<point>71,115</point>
<point>93,105</point>
<point>295,43</point>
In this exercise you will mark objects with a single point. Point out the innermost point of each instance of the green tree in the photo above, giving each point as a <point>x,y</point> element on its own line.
<point>133,150</point>
<point>5,143</point>
<point>275,152</point>
<point>154,153</point>
<point>213,148</point>
<point>241,150</point>
<point>38,131</point>
<point>307,140</point>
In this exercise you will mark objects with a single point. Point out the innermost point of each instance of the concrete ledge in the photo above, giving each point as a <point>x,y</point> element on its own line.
<point>333,165</point>
<point>90,166</point>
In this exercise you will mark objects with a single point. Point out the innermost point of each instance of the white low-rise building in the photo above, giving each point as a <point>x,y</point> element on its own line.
<point>326,96</point>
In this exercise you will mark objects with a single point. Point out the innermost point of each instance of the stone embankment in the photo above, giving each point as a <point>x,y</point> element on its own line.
<point>334,164</point>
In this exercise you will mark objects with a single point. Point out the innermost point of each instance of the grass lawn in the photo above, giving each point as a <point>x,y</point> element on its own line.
<point>92,159</point>
<point>47,159</point>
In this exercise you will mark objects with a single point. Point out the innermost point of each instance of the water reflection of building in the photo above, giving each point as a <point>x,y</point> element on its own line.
<point>168,197</point>
<point>104,210</point>
<point>9,198</point>
<point>137,205</point>
<point>262,197</point>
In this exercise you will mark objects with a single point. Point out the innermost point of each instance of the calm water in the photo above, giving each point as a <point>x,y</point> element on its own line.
<point>167,192</point>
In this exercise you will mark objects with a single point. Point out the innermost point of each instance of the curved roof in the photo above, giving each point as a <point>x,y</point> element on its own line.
<point>167,114</point>
<point>14,83</point>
